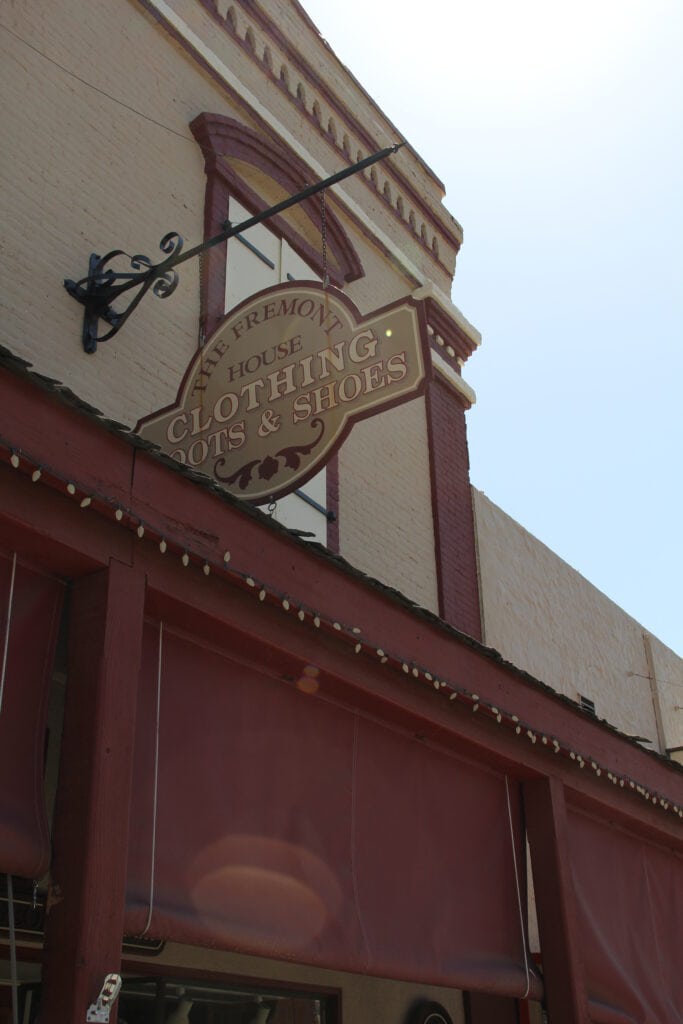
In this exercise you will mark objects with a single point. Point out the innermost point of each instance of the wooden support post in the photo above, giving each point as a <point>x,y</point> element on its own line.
<point>84,925</point>
<point>563,973</point>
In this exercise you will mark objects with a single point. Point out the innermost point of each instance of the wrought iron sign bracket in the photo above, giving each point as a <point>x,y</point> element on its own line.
<point>103,286</point>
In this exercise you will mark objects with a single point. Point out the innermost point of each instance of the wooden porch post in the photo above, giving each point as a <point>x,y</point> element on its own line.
<point>546,820</point>
<point>84,925</point>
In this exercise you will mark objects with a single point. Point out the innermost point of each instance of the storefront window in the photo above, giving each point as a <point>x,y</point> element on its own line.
<point>178,1000</point>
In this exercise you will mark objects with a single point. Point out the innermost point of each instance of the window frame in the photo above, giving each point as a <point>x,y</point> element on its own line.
<point>222,139</point>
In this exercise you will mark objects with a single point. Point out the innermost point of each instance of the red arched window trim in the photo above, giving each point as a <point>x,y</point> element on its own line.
<point>221,136</point>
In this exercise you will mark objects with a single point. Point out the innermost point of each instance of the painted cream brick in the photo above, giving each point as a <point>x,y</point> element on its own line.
<point>385,514</point>
<point>386,526</point>
<point>543,616</point>
<point>382,282</point>
<point>367,1000</point>
<point>85,173</point>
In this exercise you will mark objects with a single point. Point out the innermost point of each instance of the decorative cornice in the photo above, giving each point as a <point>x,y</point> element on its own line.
<point>226,79</point>
<point>453,379</point>
<point>451,334</point>
<point>299,81</point>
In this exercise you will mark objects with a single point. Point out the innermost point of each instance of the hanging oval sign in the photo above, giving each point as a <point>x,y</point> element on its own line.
<point>271,395</point>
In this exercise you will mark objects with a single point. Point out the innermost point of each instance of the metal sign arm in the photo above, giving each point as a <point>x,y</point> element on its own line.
<point>103,286</point>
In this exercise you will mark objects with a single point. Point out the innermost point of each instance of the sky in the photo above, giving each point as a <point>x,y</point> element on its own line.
<point>557,130</point>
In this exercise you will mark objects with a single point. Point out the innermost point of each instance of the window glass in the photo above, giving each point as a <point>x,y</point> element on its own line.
<point>173,1000</point>
<point>259,259</point>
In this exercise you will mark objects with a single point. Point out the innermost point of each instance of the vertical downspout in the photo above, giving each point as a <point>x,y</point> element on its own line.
<point>480,582</point>
<point>654,690</point>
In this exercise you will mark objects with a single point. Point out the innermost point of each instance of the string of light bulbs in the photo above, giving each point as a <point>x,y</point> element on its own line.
<point>265,593</point>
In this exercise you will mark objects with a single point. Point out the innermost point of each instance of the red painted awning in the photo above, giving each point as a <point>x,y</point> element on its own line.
<point>629,895</point>
<point>29,619</point>
<point>290,826</point>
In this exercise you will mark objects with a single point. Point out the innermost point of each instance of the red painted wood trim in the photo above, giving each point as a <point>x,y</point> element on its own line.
<point>84,926</point>
<point>43,523</point>
<point>454,537</point>
<point>214,261</point>
<point>523,1012</point>
<point>66,539</point>
<point>563,969</point>
<point>451,332</point>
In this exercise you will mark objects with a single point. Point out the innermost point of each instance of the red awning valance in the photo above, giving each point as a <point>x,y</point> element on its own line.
<point>629,895</point>
<point>290,826</point>
<point>29,619</point>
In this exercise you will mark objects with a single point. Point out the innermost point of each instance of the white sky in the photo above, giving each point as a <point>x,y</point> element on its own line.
<point>558,132</point>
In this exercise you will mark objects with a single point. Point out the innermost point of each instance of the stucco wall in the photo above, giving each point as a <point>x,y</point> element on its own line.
<point>545,617</point>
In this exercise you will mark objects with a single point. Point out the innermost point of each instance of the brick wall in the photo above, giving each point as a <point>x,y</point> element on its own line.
<point>385,515</point>
<point>545,617</point>
<point>87,173</point>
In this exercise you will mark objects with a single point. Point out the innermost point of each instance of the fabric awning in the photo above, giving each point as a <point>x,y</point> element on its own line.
<point>289,826</point>
<point>629,894</point>
<point>30,605</point>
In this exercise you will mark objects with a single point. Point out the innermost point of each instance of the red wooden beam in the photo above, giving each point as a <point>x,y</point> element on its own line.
<point>44,522</point>
<point>84,927</point>
<point>563,972</point>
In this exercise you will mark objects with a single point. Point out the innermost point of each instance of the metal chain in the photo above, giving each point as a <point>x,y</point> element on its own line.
<point>202,311</point>
<point>323,231</point>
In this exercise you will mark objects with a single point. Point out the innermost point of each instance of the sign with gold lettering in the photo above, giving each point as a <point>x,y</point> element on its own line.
<point>268,399</point>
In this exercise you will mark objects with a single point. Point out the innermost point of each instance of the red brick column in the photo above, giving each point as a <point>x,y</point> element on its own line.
<point>456,559</point>
<point>84,927</point>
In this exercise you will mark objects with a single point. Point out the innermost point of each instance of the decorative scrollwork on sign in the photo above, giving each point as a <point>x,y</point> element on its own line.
<point>167,282</point>
<point>270,465</point>
<point>104,285</point>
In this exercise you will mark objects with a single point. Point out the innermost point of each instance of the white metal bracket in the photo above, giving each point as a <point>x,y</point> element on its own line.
<point>99,1011</point>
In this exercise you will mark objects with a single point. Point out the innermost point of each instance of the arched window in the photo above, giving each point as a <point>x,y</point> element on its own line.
<point>248,172</point>
<point>259,171</point>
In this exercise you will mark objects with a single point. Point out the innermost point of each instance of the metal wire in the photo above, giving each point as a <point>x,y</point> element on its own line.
<point>323,232</point>
<point>10,601</point>
<point>14,983</point>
